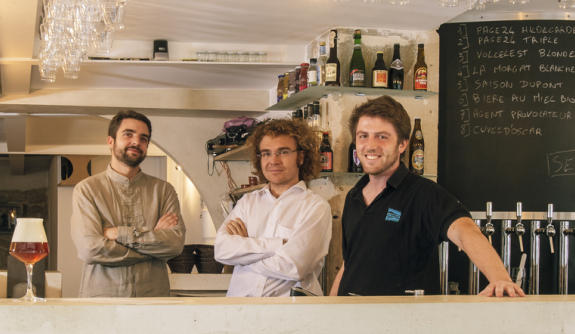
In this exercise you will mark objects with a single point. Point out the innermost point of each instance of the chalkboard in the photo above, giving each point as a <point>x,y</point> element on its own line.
<point>507,114</point>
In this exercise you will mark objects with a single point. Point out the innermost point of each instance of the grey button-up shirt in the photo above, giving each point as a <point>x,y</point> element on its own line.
<point>134,265</point>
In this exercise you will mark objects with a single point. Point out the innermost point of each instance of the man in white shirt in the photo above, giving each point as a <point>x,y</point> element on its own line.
<point>277,237</point>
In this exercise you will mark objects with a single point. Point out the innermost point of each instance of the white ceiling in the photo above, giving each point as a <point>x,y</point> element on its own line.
<point>271,21</point>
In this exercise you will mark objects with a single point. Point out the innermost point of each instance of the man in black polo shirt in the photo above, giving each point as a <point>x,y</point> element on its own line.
<point>393,220</point>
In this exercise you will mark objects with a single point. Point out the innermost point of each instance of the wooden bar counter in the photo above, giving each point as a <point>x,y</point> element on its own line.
<point>412,314</point>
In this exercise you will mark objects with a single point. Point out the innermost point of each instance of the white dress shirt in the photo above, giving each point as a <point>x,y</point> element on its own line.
<point>264,265</point>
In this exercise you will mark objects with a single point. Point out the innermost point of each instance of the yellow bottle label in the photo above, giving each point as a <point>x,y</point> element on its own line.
<point>417,159</point>
<point>380,78</point>
<point>330,72</point>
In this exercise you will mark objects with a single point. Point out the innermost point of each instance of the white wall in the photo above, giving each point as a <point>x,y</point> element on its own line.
<point>198,230</point>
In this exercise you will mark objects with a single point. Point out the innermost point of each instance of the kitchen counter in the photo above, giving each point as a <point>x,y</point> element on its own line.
<point>420,314</point>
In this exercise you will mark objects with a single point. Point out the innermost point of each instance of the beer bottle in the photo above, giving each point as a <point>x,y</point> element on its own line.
<point>304,67</point>
<point>353,163</point>
<point>280,88</point>
<point>312,73</point>
<point>297,74</point>
<point>357,65</point>
<point>420,70</point>
<point>416,149</point>
<point>309,115</point>
<point>322,62</point>
<point>332,64</point>
<point>286,85</point>
<point>316,118</point>
<point>396,70</point>
<point>379,72</point>
<point>291,83</point>
<point>326,154</point>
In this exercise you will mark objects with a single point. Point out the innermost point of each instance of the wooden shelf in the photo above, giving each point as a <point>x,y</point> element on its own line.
<point>241,153</point>
<point>315,93</point>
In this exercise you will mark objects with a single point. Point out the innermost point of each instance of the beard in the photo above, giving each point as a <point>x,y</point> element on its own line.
<point>389,159</point>
<point>123,156</point>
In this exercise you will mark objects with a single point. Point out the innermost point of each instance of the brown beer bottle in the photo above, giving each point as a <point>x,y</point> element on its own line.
<point>420,70</point>
<point>326,154</point>
<point>353,163</point>
<point>416,149</point>
<point>332,71</point>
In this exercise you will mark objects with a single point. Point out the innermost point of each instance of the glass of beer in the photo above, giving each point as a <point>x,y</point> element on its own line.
<point>29,245</point>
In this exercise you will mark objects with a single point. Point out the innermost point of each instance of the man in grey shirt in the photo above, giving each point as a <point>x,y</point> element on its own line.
<point>126,224</point>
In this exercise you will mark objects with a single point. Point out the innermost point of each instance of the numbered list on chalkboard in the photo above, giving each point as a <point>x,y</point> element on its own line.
<point>506,114</point>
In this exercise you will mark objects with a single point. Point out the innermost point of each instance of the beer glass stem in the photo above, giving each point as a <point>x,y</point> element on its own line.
<point>29,291</point>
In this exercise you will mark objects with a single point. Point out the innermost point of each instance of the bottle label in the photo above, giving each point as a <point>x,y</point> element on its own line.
<point>322,50</point>
<point>418,135</point>
<point>326,160</point>
<point>420,82</point>
<point>312,78</point>
<point>356,78</point>
<point>380,78</point>
<point>397,64</point>
<point>417,160</point>
<point>330,72</point>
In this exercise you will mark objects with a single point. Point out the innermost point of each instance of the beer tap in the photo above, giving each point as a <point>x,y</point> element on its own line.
<point>519,227</point>
<point>536,232</point>
<point>550,229</point>
<point>564,232</point>
<point>506,232</point>
<point>489,229</point>
<point>535,252</point>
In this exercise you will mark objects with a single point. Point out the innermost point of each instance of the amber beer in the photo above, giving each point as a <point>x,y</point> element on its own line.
<point>29,252</point>
<point>29,243</point>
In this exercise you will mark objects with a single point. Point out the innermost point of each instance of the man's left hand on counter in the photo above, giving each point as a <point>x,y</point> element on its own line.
<point>502,288</point>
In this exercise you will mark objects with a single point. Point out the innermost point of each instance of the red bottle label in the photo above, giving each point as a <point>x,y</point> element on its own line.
<point>420,82</point>
<point>326,160</point>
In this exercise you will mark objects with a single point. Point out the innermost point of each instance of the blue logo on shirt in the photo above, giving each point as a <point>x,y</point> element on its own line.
<point>392,215</point>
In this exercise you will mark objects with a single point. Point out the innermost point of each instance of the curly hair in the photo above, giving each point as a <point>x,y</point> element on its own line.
<point>306,140</point>
<point>388,109</point>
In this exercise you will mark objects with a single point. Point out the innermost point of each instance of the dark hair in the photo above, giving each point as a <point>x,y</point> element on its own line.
<point>388,109</point>
<point>306,140</point>
<point>121,115</point>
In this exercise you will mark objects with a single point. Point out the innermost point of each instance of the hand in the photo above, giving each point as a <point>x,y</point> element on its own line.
<point>111,233</point>
<point>168,220</point>
<point>237,227</point>
<point>501,288</point>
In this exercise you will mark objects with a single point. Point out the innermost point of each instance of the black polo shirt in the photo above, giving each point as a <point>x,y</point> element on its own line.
<point>391,245</point>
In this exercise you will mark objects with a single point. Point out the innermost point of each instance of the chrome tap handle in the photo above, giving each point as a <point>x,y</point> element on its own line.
<point>519,227</point>
<point>520,236</point>
<point>489,210</point>
<point>550,229</point>
<point>489,228</point>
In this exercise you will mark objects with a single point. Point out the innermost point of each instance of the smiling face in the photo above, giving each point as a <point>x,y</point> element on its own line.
<point>378,146</point>
<point>131,143</point>
<point>281,170</point>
